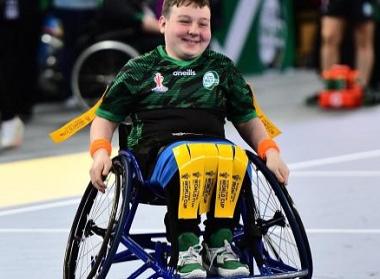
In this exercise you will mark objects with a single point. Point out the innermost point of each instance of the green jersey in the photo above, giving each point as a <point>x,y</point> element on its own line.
<point>168,98</point>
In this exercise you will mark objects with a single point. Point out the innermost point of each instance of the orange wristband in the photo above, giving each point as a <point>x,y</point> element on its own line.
<point>264,145</point>
<point>100,144</point>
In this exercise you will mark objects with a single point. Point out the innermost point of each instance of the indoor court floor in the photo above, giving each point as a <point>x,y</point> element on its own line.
<point>334,157</point>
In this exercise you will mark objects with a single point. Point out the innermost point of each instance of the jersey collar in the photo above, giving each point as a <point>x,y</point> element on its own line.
<point>181,63</point>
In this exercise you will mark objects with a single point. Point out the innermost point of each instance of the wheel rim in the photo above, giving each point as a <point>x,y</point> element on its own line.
<point>96,67</point>
<point>90,239</point>
<point>282,251</point>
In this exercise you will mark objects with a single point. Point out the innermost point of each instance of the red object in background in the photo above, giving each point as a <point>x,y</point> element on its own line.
<point>342,72</point>
<point>349,97</point>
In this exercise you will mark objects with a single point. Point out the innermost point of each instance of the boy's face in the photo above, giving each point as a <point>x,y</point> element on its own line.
<point>187,31</point>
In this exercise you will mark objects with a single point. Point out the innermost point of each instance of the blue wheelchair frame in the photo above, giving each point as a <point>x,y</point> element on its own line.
<point>137,244</point>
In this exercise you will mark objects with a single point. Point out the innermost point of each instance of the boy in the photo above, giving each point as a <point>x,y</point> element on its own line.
<point>183,91</point>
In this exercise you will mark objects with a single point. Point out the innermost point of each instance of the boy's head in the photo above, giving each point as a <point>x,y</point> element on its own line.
<point>168,4</point>
<point>186,26</point>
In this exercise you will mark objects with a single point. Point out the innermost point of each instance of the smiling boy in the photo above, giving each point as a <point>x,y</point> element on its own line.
<point>183,91</point>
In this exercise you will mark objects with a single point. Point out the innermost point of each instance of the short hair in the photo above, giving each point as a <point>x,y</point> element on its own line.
<point>171,3</point>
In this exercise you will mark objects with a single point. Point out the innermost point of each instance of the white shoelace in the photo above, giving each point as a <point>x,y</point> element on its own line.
<point>192,255</point>
<point>225,252</point>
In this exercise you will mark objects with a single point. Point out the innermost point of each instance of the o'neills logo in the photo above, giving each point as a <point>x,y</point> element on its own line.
<point>188,72</point>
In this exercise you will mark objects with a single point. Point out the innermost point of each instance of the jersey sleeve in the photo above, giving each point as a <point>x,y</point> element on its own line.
<point>118,99</point>
<point>240,107</point>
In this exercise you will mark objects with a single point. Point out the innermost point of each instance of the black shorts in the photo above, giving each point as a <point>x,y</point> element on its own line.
<point>355,10</point>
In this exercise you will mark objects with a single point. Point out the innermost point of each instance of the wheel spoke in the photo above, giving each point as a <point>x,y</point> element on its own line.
<point>281,250</point>
<point>99,216</point>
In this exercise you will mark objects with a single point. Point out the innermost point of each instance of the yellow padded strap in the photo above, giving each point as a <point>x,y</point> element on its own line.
<point>190,161</point>
<point>239,168</point>
<point>211,171</point>
<point>202,166</point>
<point>223,187</point>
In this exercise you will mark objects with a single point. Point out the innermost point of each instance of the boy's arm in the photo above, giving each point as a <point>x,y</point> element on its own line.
<point>101,129</point>
<point>253,132</point>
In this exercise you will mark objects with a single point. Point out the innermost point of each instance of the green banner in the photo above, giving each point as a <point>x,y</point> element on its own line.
<point>257,34</point>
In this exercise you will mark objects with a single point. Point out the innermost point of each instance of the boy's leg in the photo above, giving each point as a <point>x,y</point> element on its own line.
<point>213,224</point>
<point>175,226</point>
<point>184,237</point>
<point>219,257</point>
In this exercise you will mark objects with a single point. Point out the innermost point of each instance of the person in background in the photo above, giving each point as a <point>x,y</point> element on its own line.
<point>137,16</point>
<point>75,16</point>
<point>337,15</point>
<point>20,23</point>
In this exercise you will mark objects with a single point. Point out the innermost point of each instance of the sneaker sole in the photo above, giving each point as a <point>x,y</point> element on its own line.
<point>228,273</point>
<point>194,274</point>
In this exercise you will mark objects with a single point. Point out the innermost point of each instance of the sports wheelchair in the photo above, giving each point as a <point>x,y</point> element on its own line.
<point>98,62</point>
<point>270,236</point>
<point>99,54</point>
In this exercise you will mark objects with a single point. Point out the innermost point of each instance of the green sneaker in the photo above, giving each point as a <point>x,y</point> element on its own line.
<point>220,259</point>
<point>189,258</point>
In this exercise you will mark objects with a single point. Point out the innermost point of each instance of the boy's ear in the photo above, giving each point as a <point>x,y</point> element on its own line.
<point>162,23</point>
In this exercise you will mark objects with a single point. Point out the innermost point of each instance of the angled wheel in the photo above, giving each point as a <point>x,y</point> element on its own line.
<point>95,68</point>
<point>277,239</point>
<point>98,224</point>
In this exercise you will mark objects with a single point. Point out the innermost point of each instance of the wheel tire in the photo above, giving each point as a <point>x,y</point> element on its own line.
<point>283,238</point>
<point>88,225</point>
<point>95,68</point>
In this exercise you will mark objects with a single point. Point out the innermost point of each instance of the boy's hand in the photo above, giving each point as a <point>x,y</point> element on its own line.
<point>100,167</point>
<point>277,166</point>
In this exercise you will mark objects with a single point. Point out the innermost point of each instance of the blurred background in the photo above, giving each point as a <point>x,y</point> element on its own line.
<point>57,57</point>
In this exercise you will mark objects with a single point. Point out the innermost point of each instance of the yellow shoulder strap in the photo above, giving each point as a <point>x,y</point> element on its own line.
<point>75,125</point>
<point>271,128</point>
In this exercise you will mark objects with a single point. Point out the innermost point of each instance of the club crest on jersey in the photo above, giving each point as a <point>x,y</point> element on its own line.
<point>210,80</point>
<point>159,79</point>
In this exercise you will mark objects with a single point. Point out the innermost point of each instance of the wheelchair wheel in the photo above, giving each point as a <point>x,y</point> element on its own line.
<point>95,68</point>
<point>98,225</point>
<point>280,246</point>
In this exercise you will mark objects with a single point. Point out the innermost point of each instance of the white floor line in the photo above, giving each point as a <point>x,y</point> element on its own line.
<point>40,230</point>
<point>294,167</point>
<point>62,230</point>
<point>348,173</point>
<point>343,231</point>
<point>27,209</point>
<point>335,160</point>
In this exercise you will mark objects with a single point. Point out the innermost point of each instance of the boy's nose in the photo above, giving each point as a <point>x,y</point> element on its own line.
<point>193,29</point>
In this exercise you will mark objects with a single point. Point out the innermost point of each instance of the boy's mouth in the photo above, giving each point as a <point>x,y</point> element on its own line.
<point>191,41</point>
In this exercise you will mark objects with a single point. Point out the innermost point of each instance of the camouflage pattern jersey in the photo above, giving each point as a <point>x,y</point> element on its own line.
<point>168,99</point>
